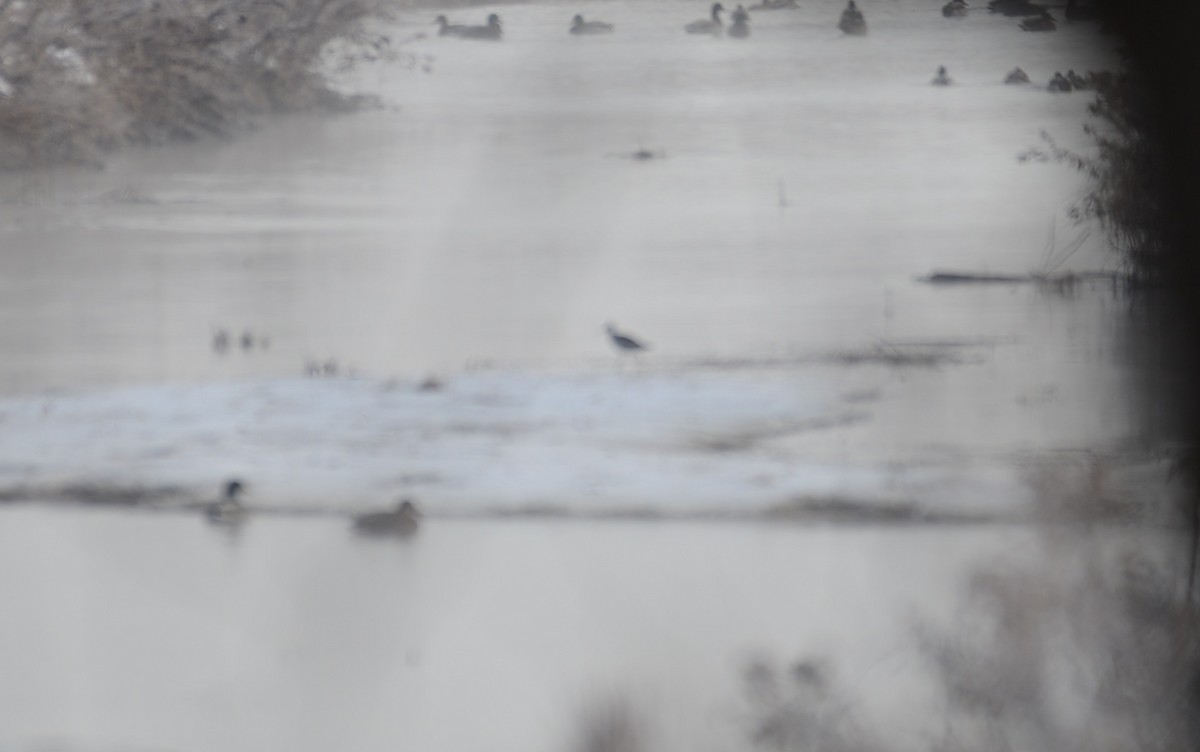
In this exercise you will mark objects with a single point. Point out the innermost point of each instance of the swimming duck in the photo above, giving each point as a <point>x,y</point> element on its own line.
<point>1016,76</point>
<point>713,25</point>
<point>402,521</point>
<point>852,20</point>
<point>741,24</point>
<point>1059,83</point>
<point>491,30</point>
<point>942,78</point>
<point>1078,82</point>
<point>954,9</point>
<point>1044,22</point>
<point>227,511</point>
<point>220,341</point>
<point>579,26</point>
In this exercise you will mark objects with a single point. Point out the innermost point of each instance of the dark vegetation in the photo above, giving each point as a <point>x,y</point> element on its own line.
<point>1143,191</point>
<point>1089,645</point>
<point>80,78</point>
<point>1128,176</point>
<point>1091,654</point>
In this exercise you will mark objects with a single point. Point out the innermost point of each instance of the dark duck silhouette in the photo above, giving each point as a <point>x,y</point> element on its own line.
<point>491,30</point>
<point>1016,76</point>
<point>852,20</point>
<point>220,341</point>
<point>1078,82</point>
<point>1044,22</point>
<point>228,510</point>
<point>942,78</point>
<point>579,26</point>
<point>1059,83</point>
<point>954,9</point>
<point>401,522</point>
<point>713,25</point>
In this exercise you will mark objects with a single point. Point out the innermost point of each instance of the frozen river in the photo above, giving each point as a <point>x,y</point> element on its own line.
<point>481,229</point>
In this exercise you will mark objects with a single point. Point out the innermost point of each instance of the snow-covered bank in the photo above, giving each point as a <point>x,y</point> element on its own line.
<point>622,441</point>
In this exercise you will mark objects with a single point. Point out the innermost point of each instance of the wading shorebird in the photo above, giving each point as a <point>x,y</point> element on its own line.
<point>623,342</point>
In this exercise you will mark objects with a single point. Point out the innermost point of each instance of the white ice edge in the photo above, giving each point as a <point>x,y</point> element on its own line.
<point>573,442</point>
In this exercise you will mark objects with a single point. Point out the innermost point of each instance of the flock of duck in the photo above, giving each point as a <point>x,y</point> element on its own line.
<point>1072,81</point>
<point>1036,18</point>
<point>401,522</point>
<point>852,22</point>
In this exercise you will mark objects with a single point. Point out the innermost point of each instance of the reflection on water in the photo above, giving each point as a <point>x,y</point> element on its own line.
<point>144,631</point>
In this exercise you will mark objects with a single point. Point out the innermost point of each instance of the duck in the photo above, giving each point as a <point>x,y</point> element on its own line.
<point>712,25</point>
<point>954,9</point>
<point>447,29</point>
<point>491,30</point>
<point>1044,22</point>
<point>579,26</point>
<point>1016,76</point>
<point>228,510</point>
<point>220,341</point>
<point>852,20</point>
<point>740,29</point>
<point>942,78</point>
<point>1059,83</point>
<point>401,521</point>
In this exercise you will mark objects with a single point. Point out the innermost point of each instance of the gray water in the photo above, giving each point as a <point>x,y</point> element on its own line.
<point>487,217</point>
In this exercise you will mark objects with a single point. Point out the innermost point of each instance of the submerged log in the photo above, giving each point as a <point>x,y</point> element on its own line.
<point>949,278</point>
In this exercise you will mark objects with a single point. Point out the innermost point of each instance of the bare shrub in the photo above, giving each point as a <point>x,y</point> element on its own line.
<point>1068,658</point>
<point>800,708</point>
<point>1129,175</point>
<point>80,78</point>
<point>610,725</point>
